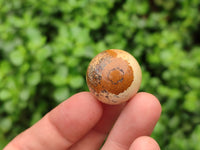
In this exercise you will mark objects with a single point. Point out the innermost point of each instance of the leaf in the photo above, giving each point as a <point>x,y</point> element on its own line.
<point>43,53</point>
<point>61,94</point>
<point>5,94</point>
<point>34,78</point>
<point>9,107</point>
<point>76,82</point>
<point>35,117</point>
<point>5,124</point>
<point>25,94</point>
<point>17,57</point>
<point>5,68</point>
<point>60,77</point>
<point>191,102</point>
<point>194,82</point>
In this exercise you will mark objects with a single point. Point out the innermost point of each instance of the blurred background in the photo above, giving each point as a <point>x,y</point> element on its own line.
<point>45,48</point>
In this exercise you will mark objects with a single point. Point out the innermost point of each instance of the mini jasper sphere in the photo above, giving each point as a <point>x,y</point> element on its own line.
<point>113,76</point>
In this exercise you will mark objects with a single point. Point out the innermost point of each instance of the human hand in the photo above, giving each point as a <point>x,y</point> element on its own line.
<point>83,123</point>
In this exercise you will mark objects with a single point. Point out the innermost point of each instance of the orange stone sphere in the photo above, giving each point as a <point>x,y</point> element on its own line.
<point>113,76</point>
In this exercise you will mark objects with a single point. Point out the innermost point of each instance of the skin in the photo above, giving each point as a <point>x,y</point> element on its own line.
<point>82,122</point>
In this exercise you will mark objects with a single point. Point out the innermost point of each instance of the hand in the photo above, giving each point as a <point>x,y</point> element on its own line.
<point>83,123</point>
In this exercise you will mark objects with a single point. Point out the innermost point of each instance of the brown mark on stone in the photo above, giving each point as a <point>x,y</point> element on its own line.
<point>111,53</point>
<point>110,74</point>
<point>117,76</point>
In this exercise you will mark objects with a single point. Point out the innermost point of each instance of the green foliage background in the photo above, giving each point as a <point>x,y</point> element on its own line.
<point>45,47</point>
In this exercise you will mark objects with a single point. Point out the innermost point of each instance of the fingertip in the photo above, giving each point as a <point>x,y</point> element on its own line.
<point>150,101</point>
<point>145,143</point>
<point>83,99</point>
<point>90,99</point>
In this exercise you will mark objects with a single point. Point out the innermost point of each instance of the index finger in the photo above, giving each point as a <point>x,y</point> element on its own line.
<point>61,127</point>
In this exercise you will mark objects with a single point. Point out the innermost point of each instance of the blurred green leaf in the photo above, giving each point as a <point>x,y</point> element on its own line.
<point>194,82</point>
<point>25,94</point>
<point>191,102</point>
<point>43,53</point>
<point>174,122</point>
<point>76,82</point>
<point>61,94</point>
<point>33,78</point>
<point>9,107</point>
<point>17,57</point>
<point>5,124</point>
<point>60,78</point>
<point>5,94</point>
<point>5,68</point>
<point>195,137</point>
